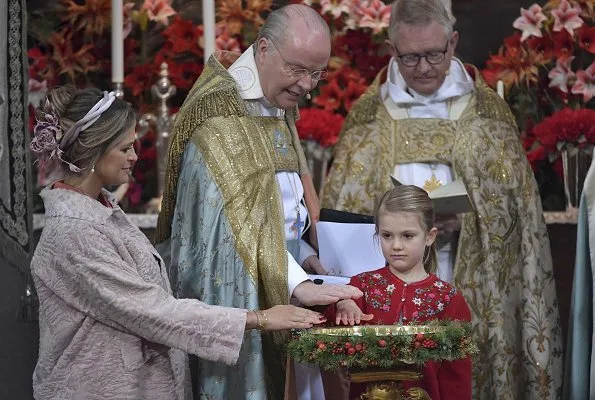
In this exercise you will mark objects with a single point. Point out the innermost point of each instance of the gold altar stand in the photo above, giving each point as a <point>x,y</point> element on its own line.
<point>385,384</point>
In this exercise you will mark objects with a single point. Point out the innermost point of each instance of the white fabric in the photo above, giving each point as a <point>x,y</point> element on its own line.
<point>308,382</point>
<point>456,84</point>
<point>245,73</point>
<point>589,192</point>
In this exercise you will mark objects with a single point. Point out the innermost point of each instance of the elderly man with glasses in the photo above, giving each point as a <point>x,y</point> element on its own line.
<point>427,120</point>
<point>239,196</point>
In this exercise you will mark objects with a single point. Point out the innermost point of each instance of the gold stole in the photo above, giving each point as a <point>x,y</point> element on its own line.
<point>425,140</point>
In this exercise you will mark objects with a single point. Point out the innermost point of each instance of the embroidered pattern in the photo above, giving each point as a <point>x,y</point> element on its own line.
<point>431,300</point>
<point>423,303</point>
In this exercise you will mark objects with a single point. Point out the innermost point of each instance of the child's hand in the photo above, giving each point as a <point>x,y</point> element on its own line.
<point>348,313</point>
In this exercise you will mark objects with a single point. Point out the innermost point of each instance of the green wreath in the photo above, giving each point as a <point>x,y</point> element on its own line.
<point>383,346</point>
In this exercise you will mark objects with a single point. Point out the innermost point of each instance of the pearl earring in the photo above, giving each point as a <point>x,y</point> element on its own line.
<point>93,169</point>
<point>308,96</point>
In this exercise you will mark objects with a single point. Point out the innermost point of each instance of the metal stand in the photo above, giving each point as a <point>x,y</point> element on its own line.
<point>161,120</point>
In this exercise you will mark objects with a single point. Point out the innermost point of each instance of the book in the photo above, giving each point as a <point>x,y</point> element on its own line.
<point>330,215</point>
<point>451,198</point>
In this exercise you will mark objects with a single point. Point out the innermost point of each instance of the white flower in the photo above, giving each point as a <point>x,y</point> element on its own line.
<point>530,22</point>
<point>438,284</point>
<point>390,288</point>
<point>440,306</point>
<point>417,301</point>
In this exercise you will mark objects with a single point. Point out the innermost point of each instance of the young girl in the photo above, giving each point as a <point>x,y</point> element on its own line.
<point>405,291</point>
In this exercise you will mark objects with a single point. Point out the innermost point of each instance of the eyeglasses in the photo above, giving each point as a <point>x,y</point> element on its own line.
<point>432,57</point>
<point>299,73</point>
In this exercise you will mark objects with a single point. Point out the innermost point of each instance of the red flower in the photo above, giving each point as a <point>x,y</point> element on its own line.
<point>586,38</point>
<point>563,44</point>
<point>330,96</point>
<point>567,126</point>
<point>513,64</point>
<point>38,64</point>
<point>183,36</point>
<point>141,78</point>
<point>184,74</point>
<point>68,60</point>
<point>544,46</point>
<point>319,125</point>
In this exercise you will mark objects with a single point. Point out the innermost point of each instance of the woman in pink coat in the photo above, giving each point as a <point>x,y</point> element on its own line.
<point>109,326</point>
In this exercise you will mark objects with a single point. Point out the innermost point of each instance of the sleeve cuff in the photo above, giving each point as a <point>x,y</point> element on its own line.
<point>295,274</point>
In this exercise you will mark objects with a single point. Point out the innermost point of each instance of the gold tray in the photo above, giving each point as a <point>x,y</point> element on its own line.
<point>378,330</point>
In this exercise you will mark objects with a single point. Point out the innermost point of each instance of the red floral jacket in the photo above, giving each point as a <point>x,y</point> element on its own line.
<point>393,302</point>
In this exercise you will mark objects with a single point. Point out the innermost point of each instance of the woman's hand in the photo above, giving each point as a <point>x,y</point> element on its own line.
<point>283,317</point>
<point>348,313</point>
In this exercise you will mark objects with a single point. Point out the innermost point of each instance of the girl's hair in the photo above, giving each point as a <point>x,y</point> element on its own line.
<point>411,199</point>
<point>65,106</point>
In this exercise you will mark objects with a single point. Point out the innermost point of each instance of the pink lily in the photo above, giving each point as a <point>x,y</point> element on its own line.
<point>530,22</point>
<point>560,74</point>
<point>374,15</point>
<point>37,91</point>
<point>159,10</point>
<point>585,83</point>
<point>567,17</point>
<point>334,7</point>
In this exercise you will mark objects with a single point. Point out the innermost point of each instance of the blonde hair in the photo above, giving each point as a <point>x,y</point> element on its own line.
<point>410,199</point>
<point>69,105</point>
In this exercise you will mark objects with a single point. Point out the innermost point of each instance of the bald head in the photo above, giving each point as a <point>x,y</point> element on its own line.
<point>291,54</point>
<point>294,20</point>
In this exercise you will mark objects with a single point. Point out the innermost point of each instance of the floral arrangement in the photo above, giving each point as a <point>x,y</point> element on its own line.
<point>548,71</point>
<point>367,347</point>
<point>358,32</point>
<point>70,42</point>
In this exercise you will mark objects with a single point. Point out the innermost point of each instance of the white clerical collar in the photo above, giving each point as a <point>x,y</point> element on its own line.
<point>457,83</point>
<point>245,73</point>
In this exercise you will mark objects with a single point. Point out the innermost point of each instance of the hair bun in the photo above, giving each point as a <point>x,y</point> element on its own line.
<point>58,101</point>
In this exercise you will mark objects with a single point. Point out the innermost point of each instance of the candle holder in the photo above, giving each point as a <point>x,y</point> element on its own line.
<point>119,89</point>
<point>162,121</point>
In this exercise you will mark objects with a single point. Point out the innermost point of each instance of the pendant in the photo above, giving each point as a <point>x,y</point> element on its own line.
<point>432,184</point>
<point>298,225</point>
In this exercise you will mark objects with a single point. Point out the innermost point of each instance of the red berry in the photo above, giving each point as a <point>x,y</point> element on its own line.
<point>420,337</point>
<point>417,345</point>
<point>351,351</point>
<point>358,347</point>
<point>382,343</point>
<point>321,346</point>
<point>347,345</point>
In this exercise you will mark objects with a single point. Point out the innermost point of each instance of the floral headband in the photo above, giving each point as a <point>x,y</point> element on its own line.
<point>50,141</point>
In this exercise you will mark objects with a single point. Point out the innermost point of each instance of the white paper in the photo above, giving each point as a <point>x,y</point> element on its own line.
<point>348,249</point>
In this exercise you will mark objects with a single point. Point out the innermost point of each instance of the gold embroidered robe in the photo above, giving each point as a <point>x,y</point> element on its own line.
<point>223,214</point>
<point>503,264</point>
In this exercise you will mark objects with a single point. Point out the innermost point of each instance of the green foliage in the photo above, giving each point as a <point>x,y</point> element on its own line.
<point>444,340</point>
